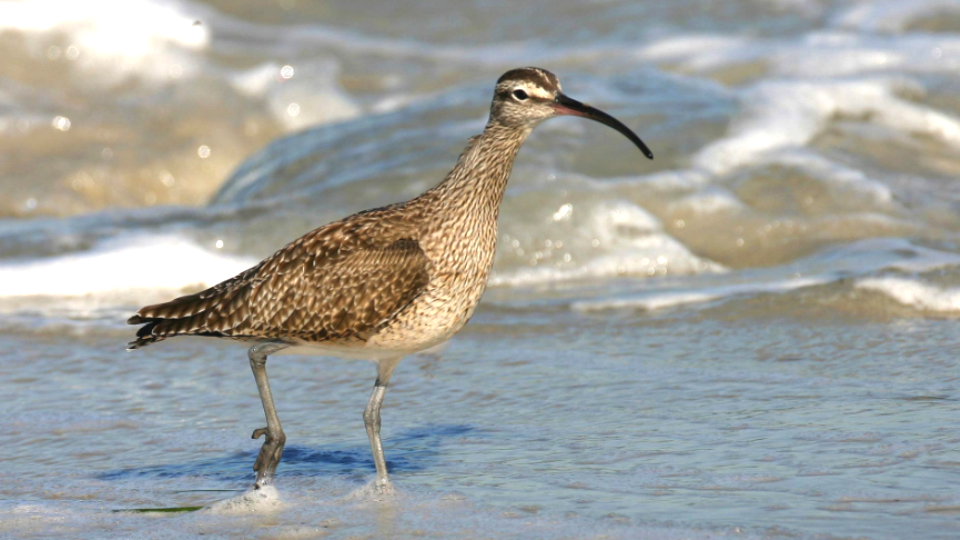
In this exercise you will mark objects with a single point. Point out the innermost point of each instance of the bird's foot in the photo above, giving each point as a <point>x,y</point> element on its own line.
<point>269,457</point>
<point>376,490</point>
<point>384,487</point>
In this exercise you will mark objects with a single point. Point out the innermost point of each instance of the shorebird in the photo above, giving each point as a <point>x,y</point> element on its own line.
<point>380,284</point>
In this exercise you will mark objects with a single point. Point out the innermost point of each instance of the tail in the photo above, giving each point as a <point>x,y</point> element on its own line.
<point>168,320</point>
<point>199,314</point>
<point>214,312</point>
<point>144,335</point>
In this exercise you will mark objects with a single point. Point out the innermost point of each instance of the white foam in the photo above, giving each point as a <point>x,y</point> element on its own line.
<point>711,200</point>
<point>256,82</point>
<point>914,293</point>
<point>816,55</point>
<point>374,492</point>
<point>835,53</point>
<point>849,183</point>
<point>786,114</point>
<point>670,180</point>
<point>698,51</point>
<point>892,15</point>
<point>265,499</point>
<point>608,215</point>
<point>660,300</point>
<point>145,262</point>
<point>311,96</point>
<point>828,266</point>
<point>114,37</point>
<point>662,255</point>
<point>879,254</point>
<point>629,241</point>
<point>811,81</point>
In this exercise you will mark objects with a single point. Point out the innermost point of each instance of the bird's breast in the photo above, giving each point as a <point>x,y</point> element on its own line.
<point>460,266</point>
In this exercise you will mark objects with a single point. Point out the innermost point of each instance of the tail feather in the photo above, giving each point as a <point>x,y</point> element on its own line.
<point>189,315</point>
<point>182,315</point>
<point>142,342</point>
<point>156,329</point>
<point>144,335</point>
<point>147,331</point>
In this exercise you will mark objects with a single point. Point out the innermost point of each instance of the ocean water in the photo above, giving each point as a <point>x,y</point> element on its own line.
<point>752,336</point>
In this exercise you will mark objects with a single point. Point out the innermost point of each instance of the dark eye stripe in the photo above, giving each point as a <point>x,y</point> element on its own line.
<point>520,94</point>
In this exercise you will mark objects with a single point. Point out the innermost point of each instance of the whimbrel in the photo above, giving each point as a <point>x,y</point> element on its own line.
<point>383,283</point>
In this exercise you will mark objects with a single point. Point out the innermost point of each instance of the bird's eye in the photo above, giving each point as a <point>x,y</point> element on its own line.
<point>520,95</point>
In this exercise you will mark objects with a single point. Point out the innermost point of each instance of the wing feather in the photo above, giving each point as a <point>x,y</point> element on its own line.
<point>332,284</point>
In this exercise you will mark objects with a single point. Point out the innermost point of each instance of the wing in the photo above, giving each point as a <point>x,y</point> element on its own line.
<point>340,282</point>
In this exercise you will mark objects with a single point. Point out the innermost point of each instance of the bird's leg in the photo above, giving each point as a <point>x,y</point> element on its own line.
<point>272,449</point>
<point>371,419</point>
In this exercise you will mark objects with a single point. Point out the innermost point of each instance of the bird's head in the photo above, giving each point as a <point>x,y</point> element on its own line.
<point>524,97</point>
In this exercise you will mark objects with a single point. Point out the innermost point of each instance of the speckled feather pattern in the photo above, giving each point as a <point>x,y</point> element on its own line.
<point>399,278</point>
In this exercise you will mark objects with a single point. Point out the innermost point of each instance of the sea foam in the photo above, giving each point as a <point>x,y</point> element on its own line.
<point>914,293</point>
<point>265,499</point>
<point>115,38</point>
<point>138,263</point>
<point>666,299</point>
<point>308,95</point>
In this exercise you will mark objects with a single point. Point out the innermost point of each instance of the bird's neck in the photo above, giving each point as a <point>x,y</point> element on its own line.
<point>481,173</point>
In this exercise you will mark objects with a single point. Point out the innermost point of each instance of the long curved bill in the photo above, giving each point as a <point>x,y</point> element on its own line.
<point>572,107</point>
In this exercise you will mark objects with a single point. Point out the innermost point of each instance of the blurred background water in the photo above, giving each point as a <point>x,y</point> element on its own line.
<point>752,336</point>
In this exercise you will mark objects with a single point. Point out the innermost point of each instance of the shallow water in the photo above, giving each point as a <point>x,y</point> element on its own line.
<point>752,336</point>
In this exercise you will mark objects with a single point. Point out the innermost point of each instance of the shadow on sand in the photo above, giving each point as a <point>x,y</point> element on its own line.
<point>411,450</point>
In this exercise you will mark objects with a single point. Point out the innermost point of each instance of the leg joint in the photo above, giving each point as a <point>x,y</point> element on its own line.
<point>258,353</point>
<point>371,416</point>
<point>257,356</point>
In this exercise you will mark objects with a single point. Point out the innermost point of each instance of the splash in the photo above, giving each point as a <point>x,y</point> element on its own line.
<point>265,499</point>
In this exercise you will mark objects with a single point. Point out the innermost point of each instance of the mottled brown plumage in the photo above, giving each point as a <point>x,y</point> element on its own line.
<point>382,283</point>
<point>337,283</point>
